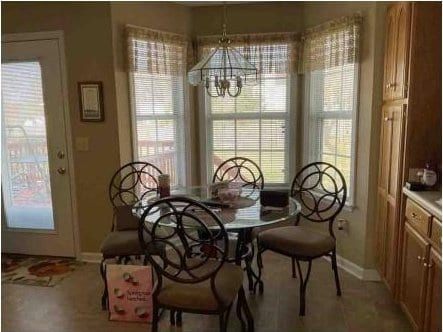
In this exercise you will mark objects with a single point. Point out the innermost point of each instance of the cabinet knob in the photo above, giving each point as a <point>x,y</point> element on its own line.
<point>428,265</point>
<point>420,258</point>
<point>388,118</point>
<point>413,215</point>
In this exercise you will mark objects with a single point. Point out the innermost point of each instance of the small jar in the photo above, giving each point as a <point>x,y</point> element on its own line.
<point>164,185</point>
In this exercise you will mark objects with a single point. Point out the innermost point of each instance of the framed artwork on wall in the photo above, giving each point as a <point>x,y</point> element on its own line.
<point>91,101</point>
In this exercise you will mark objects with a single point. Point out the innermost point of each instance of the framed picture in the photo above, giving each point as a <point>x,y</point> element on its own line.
<point>91,101</point>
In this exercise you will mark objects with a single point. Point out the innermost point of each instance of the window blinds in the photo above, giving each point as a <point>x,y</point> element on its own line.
<point>331,73</point>
<point>157,67</point>
<point>255,124</point>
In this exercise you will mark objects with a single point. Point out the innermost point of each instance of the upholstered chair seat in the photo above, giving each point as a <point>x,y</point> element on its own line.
<point>199,296</point>
<point>121,243</point>
<point>297,241</point>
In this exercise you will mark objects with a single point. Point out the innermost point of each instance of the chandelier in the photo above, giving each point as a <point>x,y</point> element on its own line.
<point>224,70</point>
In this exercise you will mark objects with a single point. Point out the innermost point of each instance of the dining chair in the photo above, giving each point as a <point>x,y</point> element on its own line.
<point>321,191</point>
<point>192,274</point>
<point>129,184</point>
<point>248,173</point>
<point>240,169</point>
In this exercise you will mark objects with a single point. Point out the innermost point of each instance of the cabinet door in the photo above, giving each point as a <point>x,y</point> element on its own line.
<point>389,52</point>
<point>400,69</point>
<point>433,294</point>
<point>395,122</point>
<point>413,275</point>
<point>388,191</point>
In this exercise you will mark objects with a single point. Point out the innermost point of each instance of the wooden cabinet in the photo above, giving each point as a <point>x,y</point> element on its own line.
<point>432,322</point>
<point>389,189</point>
<point>410,122</point>
<point>413,292</point>
<point>420,277</point>
<point>396,51</point>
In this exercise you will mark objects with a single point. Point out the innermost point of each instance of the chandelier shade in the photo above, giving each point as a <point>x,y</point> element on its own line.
<point>224,71</point>
<point>224,67</point>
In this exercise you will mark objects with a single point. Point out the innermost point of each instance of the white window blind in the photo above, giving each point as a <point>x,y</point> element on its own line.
<point>158,103</point>
<point>331,88</point>
<point>255,124</point>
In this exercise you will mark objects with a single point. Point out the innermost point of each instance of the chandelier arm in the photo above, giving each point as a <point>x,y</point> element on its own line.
<point>237,92</point>
<point>210,94</point>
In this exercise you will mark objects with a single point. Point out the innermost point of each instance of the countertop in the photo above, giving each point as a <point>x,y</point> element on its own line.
<point>427,199</point>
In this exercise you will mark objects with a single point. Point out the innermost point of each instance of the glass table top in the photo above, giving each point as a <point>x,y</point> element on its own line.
<point>244,212</point>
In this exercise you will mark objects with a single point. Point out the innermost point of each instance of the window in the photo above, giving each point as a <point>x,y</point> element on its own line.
<point>255,124</point>
<point>331,89</point>
<point>158,103</point>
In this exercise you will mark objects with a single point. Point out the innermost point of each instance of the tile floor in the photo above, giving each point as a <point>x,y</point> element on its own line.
<point>74,305</point>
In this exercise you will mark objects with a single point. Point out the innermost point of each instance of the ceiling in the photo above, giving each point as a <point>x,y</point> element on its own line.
<point>213,3</point>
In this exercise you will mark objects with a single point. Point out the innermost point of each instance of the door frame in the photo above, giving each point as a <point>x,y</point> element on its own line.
<point>59,36</point>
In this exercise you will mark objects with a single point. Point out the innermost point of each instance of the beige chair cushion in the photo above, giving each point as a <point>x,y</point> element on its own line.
<point>124,219</point>
<point>122,243</point>
<point>257,230</point>
<point>297,241</point>
<point>199,296</point>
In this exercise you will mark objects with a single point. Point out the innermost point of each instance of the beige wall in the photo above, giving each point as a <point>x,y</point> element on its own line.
<point>95,50</point>
<point>88,48</point>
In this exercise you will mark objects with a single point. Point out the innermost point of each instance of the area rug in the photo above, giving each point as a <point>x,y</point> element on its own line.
<point>36,270</point>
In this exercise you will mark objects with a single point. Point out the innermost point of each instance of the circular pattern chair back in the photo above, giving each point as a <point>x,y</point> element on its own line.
<point>175,223</point>
<point>321,190</point>
<point>242,170</point>
<point>132,182</point>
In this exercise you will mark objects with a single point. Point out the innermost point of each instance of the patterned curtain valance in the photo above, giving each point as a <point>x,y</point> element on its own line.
<point>269,53</point>
<point>331,44</point>
<point>157,52</point>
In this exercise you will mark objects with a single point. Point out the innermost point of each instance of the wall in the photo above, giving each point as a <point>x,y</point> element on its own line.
<point>88,49</point>
<point>95,49</point>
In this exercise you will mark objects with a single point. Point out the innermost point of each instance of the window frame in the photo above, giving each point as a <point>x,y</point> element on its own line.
<point>290,134</point>
<point>350,199</point>
<point>183,173</point>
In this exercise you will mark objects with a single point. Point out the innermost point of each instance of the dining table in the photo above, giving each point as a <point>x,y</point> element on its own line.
<point>239,217</point>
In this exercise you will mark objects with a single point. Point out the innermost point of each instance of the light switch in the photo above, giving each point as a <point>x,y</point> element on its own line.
<point>82,143</point>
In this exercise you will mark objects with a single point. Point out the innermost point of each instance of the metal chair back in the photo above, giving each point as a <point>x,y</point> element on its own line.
<point>175,223</point>
<point>240,169</point>
<point>132,182</point>
<point>321,190</point>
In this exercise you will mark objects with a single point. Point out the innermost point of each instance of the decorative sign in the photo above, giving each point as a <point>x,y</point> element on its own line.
<point>91,101</point>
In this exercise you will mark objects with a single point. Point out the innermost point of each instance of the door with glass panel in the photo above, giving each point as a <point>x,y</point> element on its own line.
<point>36,194</point>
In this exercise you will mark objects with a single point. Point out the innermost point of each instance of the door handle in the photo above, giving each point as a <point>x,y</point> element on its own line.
<point>60,155</point>
<point>61,170</point>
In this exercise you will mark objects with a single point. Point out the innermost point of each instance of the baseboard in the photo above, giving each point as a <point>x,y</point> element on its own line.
<point>343,263</point>
<point>91,257</point>
<point>356,270</point>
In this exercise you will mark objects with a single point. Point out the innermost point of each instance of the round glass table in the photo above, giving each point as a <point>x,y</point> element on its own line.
<point>239,218</point>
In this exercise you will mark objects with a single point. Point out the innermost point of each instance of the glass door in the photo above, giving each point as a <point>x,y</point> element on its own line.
<point>36,179</point>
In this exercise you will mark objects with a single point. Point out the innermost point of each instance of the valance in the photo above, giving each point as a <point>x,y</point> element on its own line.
<point>157,52</point>
<point>331,44</point>
<point>270,53</point>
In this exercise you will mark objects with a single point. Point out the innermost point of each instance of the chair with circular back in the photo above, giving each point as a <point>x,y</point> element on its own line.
<point>192,274</point>
<point>240,169</point>
<point>321,190</point>
<point>129,184</point>
<point>248,173</point>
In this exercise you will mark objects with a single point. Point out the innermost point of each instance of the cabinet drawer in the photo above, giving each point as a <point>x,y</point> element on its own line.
<point>436,233</point>
<point>417,217</point>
